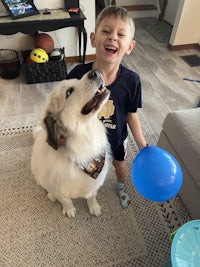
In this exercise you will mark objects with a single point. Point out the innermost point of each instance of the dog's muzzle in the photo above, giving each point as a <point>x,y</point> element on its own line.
<point>99,96</point>
<point>94,74</point>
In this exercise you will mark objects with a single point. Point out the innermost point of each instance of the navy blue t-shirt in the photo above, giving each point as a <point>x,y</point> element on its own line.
<point>125,96</point>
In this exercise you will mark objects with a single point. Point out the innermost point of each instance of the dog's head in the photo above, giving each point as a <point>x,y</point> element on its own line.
<point>73,102</point>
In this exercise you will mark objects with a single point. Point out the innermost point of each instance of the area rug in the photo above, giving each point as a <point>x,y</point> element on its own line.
<point>161,31</point>
<point>192,60</point>
<point>35,233</point>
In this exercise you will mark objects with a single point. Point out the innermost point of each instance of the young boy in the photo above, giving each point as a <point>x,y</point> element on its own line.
<point>113,38</point>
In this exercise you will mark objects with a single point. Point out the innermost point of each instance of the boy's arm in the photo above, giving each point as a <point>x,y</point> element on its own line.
<point>135,127</point>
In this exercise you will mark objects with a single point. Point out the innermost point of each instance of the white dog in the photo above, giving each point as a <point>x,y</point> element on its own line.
<point>70,156</point>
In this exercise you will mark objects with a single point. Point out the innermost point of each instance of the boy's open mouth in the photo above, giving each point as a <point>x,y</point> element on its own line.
<point>111,49</point>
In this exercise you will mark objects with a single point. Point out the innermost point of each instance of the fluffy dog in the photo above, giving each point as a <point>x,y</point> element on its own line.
<point>70,156</point>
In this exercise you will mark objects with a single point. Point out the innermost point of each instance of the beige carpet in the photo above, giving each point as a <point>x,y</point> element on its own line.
<point>35,233</point>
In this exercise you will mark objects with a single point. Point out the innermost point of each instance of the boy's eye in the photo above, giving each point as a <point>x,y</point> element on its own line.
<point>106,31</point>
<point>121,34</point>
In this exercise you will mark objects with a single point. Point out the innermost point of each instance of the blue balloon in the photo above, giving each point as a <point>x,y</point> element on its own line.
<point>156,174</point>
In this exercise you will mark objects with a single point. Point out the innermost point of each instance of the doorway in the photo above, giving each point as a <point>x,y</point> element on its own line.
<point>100,4</point>
<point>171,11</point>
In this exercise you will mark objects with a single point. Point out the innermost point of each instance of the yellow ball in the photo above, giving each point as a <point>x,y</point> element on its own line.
<point>38,55</point>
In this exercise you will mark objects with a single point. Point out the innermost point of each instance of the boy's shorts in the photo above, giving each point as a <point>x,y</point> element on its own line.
<point>120,152</point>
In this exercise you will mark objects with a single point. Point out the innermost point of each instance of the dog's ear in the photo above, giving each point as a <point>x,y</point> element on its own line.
<point>49,122</point>
<point>56,102</point>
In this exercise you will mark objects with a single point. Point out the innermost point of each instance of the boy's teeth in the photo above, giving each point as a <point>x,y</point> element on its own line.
<point>111,48</point>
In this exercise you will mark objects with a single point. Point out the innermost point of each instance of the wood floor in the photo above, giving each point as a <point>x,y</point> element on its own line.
<point>161,72</point>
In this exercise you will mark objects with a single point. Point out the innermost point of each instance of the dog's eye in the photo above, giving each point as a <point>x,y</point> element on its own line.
<point>69,92</point>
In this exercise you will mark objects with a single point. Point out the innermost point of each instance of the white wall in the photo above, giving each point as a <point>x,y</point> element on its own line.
<point>67,37</point>
<point>186,28</point>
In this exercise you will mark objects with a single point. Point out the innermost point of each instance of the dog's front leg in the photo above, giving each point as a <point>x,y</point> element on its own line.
<point>68,207</point>
<point>94,207</point>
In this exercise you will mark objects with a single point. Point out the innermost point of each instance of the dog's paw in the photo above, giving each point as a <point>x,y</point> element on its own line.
<point>70,212</point>
<point>36,130</point>
<point>95,209</point>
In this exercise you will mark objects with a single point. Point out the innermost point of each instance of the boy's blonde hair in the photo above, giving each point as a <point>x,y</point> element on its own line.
<point>117,12</point>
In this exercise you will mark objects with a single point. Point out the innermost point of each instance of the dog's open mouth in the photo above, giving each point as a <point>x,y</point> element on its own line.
<point>94,103</point>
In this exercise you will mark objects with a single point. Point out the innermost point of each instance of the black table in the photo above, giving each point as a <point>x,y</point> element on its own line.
<point>58,19</point>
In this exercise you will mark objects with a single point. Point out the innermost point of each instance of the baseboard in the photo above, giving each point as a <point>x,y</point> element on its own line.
<point>198,47</point>
<point>183,47</point>
<point>140,7</point>
<point>75,59</point>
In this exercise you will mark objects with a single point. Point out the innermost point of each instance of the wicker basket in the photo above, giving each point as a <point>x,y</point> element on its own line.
<point>43,72</point>
<point>9,64</point>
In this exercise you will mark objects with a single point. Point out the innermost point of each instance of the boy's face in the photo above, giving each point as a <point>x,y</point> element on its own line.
<point>112,40</point>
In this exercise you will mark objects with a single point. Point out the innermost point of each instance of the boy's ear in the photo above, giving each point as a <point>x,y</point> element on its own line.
<point>92,39</point>
<point>130,47</point>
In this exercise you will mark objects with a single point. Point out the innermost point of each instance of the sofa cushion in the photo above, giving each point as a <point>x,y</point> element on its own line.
<point>183,130</point>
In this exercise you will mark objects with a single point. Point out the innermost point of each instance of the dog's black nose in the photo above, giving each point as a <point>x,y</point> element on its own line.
<point>93,74</point>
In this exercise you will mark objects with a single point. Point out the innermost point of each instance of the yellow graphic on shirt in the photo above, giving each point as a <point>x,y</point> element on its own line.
<point>105,114</point>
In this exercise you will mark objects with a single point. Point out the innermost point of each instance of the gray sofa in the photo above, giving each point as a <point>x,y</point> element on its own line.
<point>180,136</point>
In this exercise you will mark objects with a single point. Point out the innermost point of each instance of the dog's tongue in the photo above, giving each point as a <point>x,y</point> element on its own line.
<point>100,91</point>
